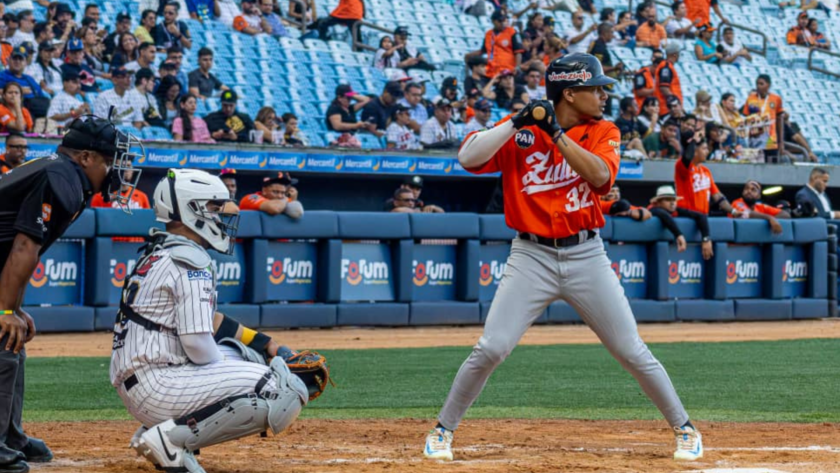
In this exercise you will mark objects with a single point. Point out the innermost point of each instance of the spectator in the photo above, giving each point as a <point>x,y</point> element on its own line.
<point>43,32</point>
<point>228,176</point>
<point>292,135</point>
<point>413,102</point>
<point>705,48</point>
<point>799,34</point>
<point>409,56</point>
<point>347,13</point>
<point>481,121</point>
<point>188,127</point>
<point>664,207</point>
<point>813,199</point>
<point>734,52</point>
<point>172,31</point>
<point>554,49</point>
<point>15,153</point>
<point>651,34</point>
<point>694,181</point>
<point>644,83</point>
<point>531,57</point>
<point>386,56</point>
<point>168,92</point>
<point>127,107</point>
<point>45,73</point>
<point>612,204</point>
<point>688,124</point>
<point>399,135</point>
<point>667,79</point>
<point>677,25</point>
<point>478,73</point>
<point>769,106</point>
<point>66,104</point>
<point>728,111</point>
<point>502,46</point>
<point>138,200</point>
<point>203,84</point>
<point>600,49</point>
<point>534,31</point>
<point>227,10</point>
<point>625,29</point>
<point>145,59</point>
<point>750,206</point>
<point>649,116</point>
<point>144,84</point>
<point>273,199</point>
<point>227,124</point>
<point>126,52</point>
<point>17,64</point>
<point>438,132</point>
<point>698,11</point>
<point>793,134</point>
<point>272,23</point>
<point>175,56</point>
<point>306,13</point>
<point>378,111</point>
<point>250,22</point>
<point>720,146</point>
<point>14,117</point>
<point>414,185</point>
<point>533,88</point>
<point>92,12</point>
<point>112,41</point>
<point>148,22</point>
<point>403,201</point>
<point>577,38</point>
<point>449,90</point>
<point>341,116</point>
<point>664,144</point>
<point>75,63</point>
<point>92,45</point>
<point>632,130</point>
<point>26,24</point>
<point>704,110</point>
<point>675,111</point>
<point>267,122</point>
<point>63,25</point>
<point>817,39</point>
<point>503,90</point>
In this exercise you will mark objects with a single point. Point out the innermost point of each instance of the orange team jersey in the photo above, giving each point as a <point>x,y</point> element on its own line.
<point>605,206</point>
<point>349,10</point>
<point>695,185</point>
<point>7,116</point>
<point>139,200</point>
<point>252,201</point>
<point>742,206</point>
<point>501,49</point>
<point>768,106</point>
<point>643,80</point>
<point>699,9</point>
<point>666,76</point>
<point>5,52</point>
<point>4,166</point>
<point>543,194</point>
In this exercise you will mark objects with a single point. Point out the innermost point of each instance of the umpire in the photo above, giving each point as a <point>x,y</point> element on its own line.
<point>38,201</point>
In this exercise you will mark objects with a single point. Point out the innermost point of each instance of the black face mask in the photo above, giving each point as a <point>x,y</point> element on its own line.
<point>651,23</point>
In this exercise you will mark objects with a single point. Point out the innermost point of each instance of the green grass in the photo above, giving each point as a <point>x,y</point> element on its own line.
<point>785,381</point>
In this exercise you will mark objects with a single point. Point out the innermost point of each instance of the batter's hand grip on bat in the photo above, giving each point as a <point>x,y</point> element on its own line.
<point>539,112</point>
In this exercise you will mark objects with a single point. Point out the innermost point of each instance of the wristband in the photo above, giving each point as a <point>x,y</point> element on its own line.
<point>7,312</point>
<point>557,134</point>
<point>227,329</point>
<point>260,342</point>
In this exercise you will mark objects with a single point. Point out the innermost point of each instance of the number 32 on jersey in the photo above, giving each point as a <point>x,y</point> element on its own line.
<point>578,197</point>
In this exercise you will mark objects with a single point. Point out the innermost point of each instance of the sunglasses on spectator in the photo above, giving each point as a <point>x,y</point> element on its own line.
<point>408,199</point>
<point>20,147</point>
<point>579,18</point>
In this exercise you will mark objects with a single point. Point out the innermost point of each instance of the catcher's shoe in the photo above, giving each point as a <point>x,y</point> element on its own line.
<point>689,443</point>
<point>439,444</point>
<point>36,451</point>
<point>155,446</point>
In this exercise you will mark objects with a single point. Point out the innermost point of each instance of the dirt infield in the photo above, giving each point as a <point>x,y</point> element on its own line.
<point>493,446</point>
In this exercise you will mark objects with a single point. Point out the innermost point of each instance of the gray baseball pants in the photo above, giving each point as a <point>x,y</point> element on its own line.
<point>536,276</point>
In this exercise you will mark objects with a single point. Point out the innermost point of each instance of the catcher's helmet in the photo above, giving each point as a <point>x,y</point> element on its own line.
<point>574,70</point>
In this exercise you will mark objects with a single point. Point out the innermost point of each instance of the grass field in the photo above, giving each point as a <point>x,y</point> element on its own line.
<point>785,381</point>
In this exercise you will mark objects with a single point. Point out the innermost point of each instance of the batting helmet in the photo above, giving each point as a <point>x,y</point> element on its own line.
<point>574,70</point>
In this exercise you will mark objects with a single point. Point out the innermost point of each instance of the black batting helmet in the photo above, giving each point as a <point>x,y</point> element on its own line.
<point>574,70</point>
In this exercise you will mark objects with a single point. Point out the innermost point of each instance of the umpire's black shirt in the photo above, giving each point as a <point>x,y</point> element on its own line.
<point>41,199</point>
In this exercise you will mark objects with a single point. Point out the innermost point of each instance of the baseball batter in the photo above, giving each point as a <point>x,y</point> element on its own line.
<point>194,377</point>
<point>553,170</point>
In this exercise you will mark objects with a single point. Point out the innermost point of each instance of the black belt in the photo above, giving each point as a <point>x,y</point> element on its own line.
<point>130,382</point>
<point>571,240</point>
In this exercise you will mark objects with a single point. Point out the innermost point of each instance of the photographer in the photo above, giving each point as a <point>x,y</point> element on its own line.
<point>341,116</point>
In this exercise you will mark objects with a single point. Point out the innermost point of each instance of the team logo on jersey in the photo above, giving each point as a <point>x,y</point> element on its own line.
<point>46,212</point>
<point>570,76</point>
<point>54,274</point>
<point>616,147</point>
<point>545,175</point>
<point>741,271</point>
<point>433,274</point>
<point>199,275</point>
<point>629,271</point>
<point>505,43</point>
<point>686,271</point>
<point>524,139</point>
<point>795,271</point>
<point>363,271</point>
<point>289,271</point>
<point>120,270</point>
<point>144,268</point>
<point>490,273</point>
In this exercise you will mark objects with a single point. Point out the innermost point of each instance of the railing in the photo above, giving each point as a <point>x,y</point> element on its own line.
<point>301,25</point>
<point>812,67</point>
<point>357,38</point>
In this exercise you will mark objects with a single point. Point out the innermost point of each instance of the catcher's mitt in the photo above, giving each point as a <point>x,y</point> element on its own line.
<point>310,366</point>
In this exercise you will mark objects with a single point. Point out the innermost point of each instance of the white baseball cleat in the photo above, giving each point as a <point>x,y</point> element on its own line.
<point>439,444</point>
<point>689,444</point>
<point>155,446</point>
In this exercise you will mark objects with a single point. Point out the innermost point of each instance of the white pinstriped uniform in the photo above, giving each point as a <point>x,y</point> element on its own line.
<point>183,300</point>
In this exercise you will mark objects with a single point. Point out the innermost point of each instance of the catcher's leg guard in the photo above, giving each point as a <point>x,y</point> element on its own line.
<point>248,353</point>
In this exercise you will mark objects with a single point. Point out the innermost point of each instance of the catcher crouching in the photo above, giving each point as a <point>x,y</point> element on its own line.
<point>192,376</point>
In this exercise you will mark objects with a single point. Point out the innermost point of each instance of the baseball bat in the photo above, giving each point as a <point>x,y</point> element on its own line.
<point>539,112</point>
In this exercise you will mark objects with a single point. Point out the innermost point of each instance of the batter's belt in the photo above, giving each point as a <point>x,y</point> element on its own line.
<point>566,242</point>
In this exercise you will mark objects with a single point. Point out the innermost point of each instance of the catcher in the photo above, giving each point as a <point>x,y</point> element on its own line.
<point>192,376</point>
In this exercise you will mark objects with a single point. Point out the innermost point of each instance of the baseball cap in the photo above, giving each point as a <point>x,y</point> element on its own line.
<point>227,173</point>
<point>343,89</point>
<point>401,31</point>
<point>498,16</point>
<point>120,72</point>
<point>414,181</point>
<point>672,48</point>
<point>398,74</point>
<point>21,51</point>
<point>803,15</point>
<point>449,83</point>
<point>619,206</point>
<point>703,96</point>
<point>280,178</point>
<point>442,102</point>
<point>394,89</point>
<point>548,21</point>
<point>229,96</point>
<point>123,17</point>
<point>665,192</point>
<point>75,44</point>
<point>473,93</point>
<point>46,46</point>
<point>398,108</point>
<point>704,26</point>
<point>505,73</point>
<point>672,100</point>
<point>69,76</point>
<point>483,104</point>
<point>64,8</point>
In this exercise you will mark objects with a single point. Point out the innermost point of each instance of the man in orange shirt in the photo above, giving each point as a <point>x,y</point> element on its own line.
<point>700,10</point>
<point>750,207</point>
<point>502,46</point>
<point>15,154</point>
<point>769,106</point>
<point>667,79</point>
<point>274,198</point>
<point>613,205</point>
<point>644,84</point>
<point>138,199</point>
<point>347,13</point>
<point>553,169</point>
<point>696,187</point>
<point>651,34</point>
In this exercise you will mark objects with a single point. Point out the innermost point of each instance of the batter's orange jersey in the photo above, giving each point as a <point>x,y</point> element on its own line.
<point>742,206</point>
<point>252,201</point>
<point>543,194</point>
<point>666,76</point>
<point>139,200</point>
<point>695,185</point>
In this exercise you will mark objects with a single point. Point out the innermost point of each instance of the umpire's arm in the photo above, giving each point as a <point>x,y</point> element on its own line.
<point>13,279</point>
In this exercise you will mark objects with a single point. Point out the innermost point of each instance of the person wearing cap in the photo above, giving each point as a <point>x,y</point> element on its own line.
<point>228,177</point>
<point>644,83</point>
<point>675,112</point>
<point>127,106</point>
<point>613,205</point>
<point>413,102</point>
<point>347,13</point>
<point>66,105</point>
<point>341,115</point>
<point>203,84</point>
<point>664,207</point>
<point>111,42</point>
<point>250,22</point>
<point>406,198</point>
<point>705,48</point>
<point>379,110</point>
<point>677,25</point>
<point>15,153</point>
<point>228,124</point>
<point>664,144</point>
<point>631,129</point>
<point>409,56</point>
<point>667,79</point>
<point>799,35</point>
<point>481,121</point>
<point>26,23</point>
<point>438,132</point>
<point>478,73</point>
<point>64,25</point>
<point>172,31</point>
<point>449,90</point>
<point>651,34</point>
<point>44,71</point>
<point>533,88</point>
<point>577,37</point>
<point>75,63</point>
<point>768,105</point>
<point>386,56</point>
<point>502,46</point>
<point>399,135</point>
<point>17,64</point>
<point>145,59</point>
<point>273,199</point>
<point>750,206</point>
<point>504,90</point>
